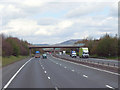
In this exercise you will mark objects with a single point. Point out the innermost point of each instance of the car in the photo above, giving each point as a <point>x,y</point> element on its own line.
<point>44,56</point>
<point>73,54</point>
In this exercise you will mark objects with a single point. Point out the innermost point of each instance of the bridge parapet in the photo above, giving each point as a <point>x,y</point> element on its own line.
<point>54,46</point>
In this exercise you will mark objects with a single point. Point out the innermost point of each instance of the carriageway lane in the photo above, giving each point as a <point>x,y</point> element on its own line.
<point>9,70</point>
<point>95,60</point>
<point>95,78</point>
<point>63,78</point>
<point>52,72</point>
<point>31,76</point>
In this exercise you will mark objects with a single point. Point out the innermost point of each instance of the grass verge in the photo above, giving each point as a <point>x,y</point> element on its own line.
<point>116,58</point>
<point>11,59</point>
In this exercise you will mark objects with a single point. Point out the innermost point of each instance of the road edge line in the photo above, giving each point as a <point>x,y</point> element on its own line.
<point>8,83</point>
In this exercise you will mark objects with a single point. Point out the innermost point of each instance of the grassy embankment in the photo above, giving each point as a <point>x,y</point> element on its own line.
<point>11,59</point>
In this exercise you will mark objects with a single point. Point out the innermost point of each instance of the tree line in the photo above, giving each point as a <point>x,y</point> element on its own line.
<point>14,46</point>
<point>106,46</point>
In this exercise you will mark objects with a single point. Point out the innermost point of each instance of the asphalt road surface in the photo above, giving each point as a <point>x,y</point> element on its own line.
<point>55,73</point>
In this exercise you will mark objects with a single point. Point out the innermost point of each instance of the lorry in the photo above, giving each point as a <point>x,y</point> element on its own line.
<point>37,54</point>
<point>64,52</point>
<point>83,52</point>
<point>73,54</point>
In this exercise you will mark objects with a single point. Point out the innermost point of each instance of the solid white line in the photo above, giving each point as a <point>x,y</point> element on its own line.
<point>85,76</point>
<point>8,83</point>
<point>48,77</point>
<point>56,88</point>
<point>89,67</point>
<point>109,86</point>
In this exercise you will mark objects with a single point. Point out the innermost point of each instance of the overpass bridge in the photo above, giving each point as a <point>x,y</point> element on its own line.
<point>52,46</point>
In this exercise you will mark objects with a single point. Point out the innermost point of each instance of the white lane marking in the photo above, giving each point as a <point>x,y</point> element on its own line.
<point>48,77</point>
<point>8,83</point>
<point>42,67</point>
<point>90,67</point>
<point>56,63</point>
<point>56,88</point>
<point>109,86</point>
<point>60,64</point>
<point>85,76</point>
<point>73,70</point>
<point>65,67</point>
<point>45,71</point>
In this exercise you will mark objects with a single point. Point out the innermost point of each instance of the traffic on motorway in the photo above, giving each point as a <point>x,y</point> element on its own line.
<point>56,73</point>
<point>59,44</point>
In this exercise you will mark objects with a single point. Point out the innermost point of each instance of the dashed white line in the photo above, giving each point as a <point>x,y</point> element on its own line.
<point>65,67</point>
<point>60,64</point>
<point>85,76</point>
<point>109,86</point>
<point>73,70</point>
<point>48,77</point>
<point>45,71</point>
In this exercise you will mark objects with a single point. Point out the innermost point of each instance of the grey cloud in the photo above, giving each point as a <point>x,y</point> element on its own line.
<point>86,9</point>
<point>77,28</point>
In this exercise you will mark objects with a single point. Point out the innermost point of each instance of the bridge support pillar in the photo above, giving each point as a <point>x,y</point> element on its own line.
<point>30,52</point>
<point>78,50</point>
<point>53,50</point>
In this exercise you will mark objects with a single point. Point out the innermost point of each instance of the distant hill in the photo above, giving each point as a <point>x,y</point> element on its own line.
<point>68,42</point>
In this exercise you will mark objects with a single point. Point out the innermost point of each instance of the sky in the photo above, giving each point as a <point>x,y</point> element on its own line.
<point>54,21</point>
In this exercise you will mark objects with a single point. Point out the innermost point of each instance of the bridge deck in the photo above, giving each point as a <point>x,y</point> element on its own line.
<point>51,46</point>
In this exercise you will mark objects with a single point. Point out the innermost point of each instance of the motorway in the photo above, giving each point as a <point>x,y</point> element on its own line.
<point>95,60</point>
<point>55,73</point>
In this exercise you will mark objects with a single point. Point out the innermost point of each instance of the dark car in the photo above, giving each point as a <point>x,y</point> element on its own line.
<point>44,56</point>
